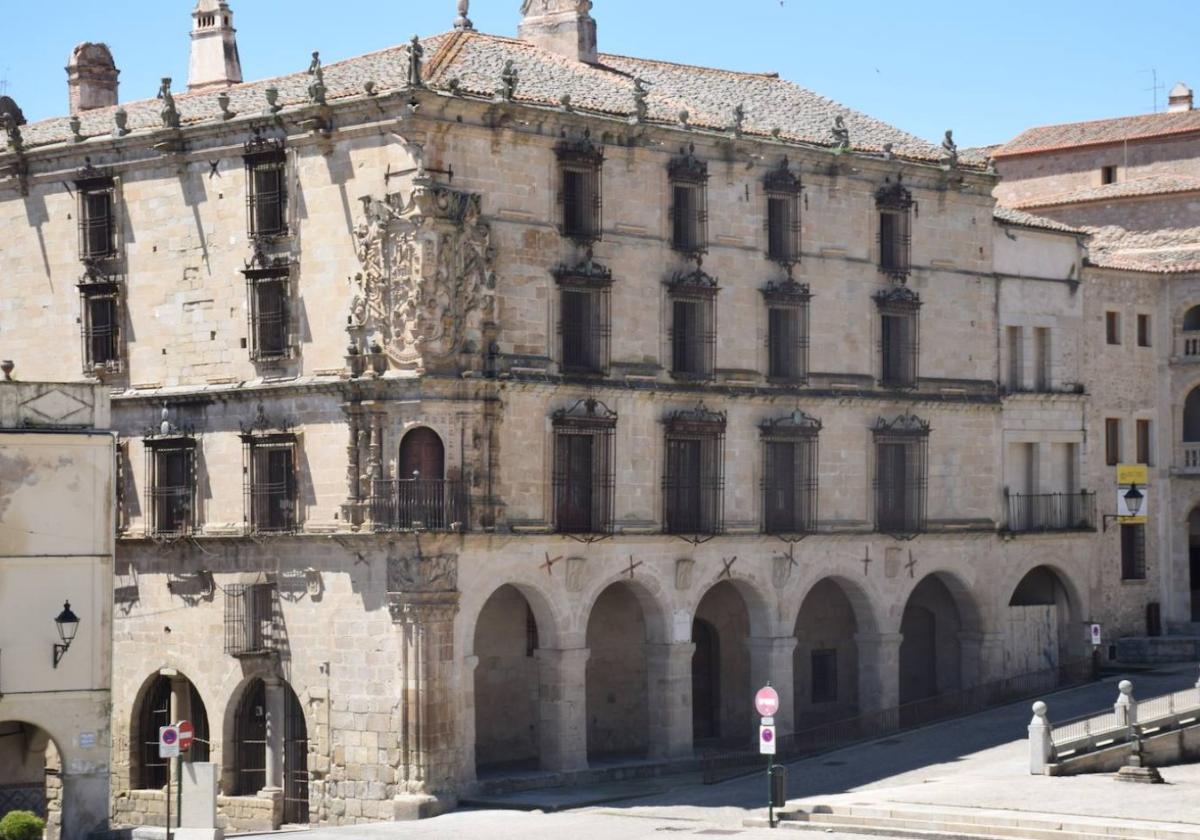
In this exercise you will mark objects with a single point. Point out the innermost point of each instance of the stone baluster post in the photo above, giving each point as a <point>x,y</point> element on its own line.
<point>562,724</point>
<point>669,669</point>
<point>353,467</point>
<point>1041,744</point>
<point>771,661</point>
<point>1126,705</point>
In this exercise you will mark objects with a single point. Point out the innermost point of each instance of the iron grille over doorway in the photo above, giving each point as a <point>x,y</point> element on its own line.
<point>584,478</point>
<point>790,474</point>
<point>693,476</point>
<point>901,475</point>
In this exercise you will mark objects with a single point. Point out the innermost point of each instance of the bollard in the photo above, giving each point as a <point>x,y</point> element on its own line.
<point>1041,745</point>
<point>1126,705</point>
<point>779,786</point>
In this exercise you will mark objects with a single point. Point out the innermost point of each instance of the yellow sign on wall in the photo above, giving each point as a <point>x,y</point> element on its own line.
<point>1133,474</point>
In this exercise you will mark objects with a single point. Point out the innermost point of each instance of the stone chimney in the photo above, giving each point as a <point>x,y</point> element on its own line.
<point>215,62</point>
<point>91,78</point>
<point>1180,98</point>
<point>561,26</point>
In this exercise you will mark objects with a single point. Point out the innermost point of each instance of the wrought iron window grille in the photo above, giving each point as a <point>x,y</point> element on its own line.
<point>901,475</point>
<point>688,177</point>
<point>101,315</point>
<point>790,473</point>
<point>269,480</point>
<point>694,474</point>
<point>170,479</point>
<point>782,221</point>
<point>896,207</point>
<point>693,332</point>
<point>584,324</point>
<point>787,331</point>
<point>266,187</point>
<point>899,336</point>
<point>253,623</point>
<point>1042,512</point>
<point>97,213</point>
<point>580,194</point>
<point>269,323</point>
<point>584,478</point>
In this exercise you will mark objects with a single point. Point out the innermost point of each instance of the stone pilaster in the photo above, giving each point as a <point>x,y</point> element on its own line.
<point>878,671</point>
<point>274,698</point>
<point>771,661</point>
<point>562,724</point>
<point>669,671</point>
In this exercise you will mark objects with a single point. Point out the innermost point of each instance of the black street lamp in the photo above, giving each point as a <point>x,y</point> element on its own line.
<point>68,624</point>
<point>1133,500</point>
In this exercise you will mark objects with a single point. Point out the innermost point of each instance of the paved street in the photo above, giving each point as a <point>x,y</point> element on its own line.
<point>980,761</point>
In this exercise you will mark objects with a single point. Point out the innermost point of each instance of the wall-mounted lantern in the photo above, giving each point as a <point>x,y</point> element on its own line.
<point>68,624</point>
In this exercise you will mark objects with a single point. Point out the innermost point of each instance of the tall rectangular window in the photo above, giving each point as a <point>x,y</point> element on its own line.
<point>894,204</point>
<point>901,475</point>
<point>1016,358</point>
<point>583,317</point>
<point>693,334</point>
<point>899,338</point>
<point>1133,552</point>
<point>693,476</point>
<point>787,331</point>
<point>269,310</point>
<point>1112,327</point>
<point>1143,441</point>
<point>1143,330</point>
<point>252,624</point>
<point>824,676</point>
<point>270,483</point>
<point>689,203</point>
<point>580,168</point>
<point>783,191</point>
<point>1112,441</point>
<point>100,325</point>
<point>584,477</point>
<point>1108,175</point>
<point>266,188</point>
<point>171,486</point>
<point>1041,359</point>
<point>97,218</point>
<point>790,471</point>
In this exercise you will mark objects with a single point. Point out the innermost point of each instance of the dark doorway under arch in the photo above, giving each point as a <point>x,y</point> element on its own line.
<point>617,691</point>
<point>931,652</point>
<point>507,691</point>
<point>706,682</point>
<point>165,700</point>
<point>252,741</point>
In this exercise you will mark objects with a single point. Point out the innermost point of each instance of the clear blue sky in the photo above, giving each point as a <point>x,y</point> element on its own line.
<point>985,69</point>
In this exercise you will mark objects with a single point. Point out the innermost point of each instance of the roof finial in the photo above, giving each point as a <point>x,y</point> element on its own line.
<point>463,21</point>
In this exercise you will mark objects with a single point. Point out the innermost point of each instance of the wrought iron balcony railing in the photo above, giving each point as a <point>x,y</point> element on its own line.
<point>1051,512</point>
<point>419,505</point>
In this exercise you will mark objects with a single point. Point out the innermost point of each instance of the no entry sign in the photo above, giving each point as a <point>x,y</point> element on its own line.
<point>168,741</point>
<point>766,701</point>
<point>187,734</point>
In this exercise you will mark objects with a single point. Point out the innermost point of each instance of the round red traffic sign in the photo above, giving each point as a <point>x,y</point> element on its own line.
<point>766,701</point>
<point>186,734</point>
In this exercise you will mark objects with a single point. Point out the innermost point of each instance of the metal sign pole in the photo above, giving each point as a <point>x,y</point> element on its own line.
<point>168,799</point>
<point>771,790</point>
<point>179,790</point>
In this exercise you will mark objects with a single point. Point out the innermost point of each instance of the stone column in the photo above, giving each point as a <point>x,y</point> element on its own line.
<point>466,727</point>
<point>669,698</point>
<point>771,661</point>
<point>181,699</point>
<point>351,509</point>
<point>878,671</point>
<point>562,723</point>
<point>273,696</point>
<point>981,657</point>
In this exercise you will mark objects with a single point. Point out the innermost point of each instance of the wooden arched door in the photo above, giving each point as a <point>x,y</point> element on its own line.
<point>422,497</point>
<point>422,456</point>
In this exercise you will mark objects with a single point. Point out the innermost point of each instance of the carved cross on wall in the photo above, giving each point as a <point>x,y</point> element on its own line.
<point>632,566</point>
<point>727,572</point>
<point>911,565</point>
<point>866,561</point>
<point>790,556</point>
<point>549,564</point>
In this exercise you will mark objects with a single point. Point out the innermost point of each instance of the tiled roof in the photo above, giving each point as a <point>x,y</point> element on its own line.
<point>473,62</point>
<point>1151,185</point>
<point>1098,132</point>
<point>1009,216</point>
<point>1171,250</point>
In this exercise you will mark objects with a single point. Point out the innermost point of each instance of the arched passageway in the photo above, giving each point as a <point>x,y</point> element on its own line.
<point>825,662</point>
<point>258,759</point>
<point>721,667</point>
<point>1044,631</point>
<point>1191,417</point>
<point>931,650</point>
<point>30,768</point>
<point>617,722</point>
<point>506,684</point>
<point>164,699</point>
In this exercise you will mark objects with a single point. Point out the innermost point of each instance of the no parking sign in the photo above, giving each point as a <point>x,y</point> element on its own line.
<point>168,741</point>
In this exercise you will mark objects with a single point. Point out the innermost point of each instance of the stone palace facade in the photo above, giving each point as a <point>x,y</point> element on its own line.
<point>492,404</point>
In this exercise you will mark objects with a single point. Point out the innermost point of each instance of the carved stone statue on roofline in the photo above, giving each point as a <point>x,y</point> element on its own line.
<point>169,113</point>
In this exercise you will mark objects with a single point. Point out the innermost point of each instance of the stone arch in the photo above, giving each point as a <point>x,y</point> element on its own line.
<point>164,697</point>
<point>252,759</point>
<point>757,600</point>
<point>31,765</point>
<point>549,625</point>
<point>505,638</point>
<point>651,596</point>
<point>616,675</point>
<point>938,613</point>
<point>1191,416</point>
<point>825,661</point>
<point>1045,621</point>
<point>423,452</point>
<point>1188,317</point>
<point>722,625</point>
